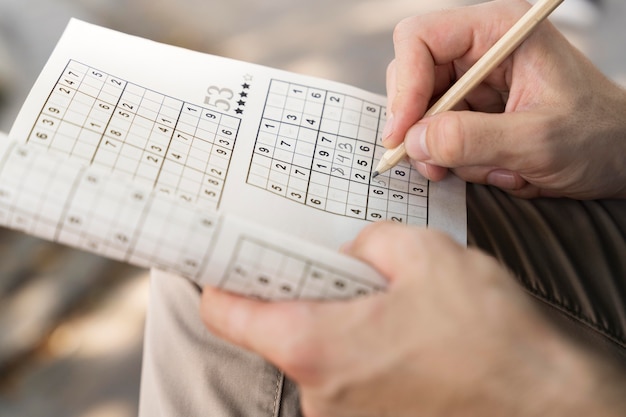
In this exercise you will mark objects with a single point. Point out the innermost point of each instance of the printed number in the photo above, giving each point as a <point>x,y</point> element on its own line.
<point>191,263</point>
<point>121,238</point>
<point>400,173</point>
<point>74,220</point>
<point>219,97</point>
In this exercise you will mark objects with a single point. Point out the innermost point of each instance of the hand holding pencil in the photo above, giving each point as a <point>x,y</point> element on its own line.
<point>479,71</point>
<point>545,122</point>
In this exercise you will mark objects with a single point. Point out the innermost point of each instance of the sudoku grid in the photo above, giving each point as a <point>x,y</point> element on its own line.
<point>272,273</point>
<point>178,148</point>
<point>86,208</point>
<point>318,147</point>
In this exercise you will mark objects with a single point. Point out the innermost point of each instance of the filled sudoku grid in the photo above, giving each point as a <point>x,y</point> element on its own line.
<point>271,273</point>
<point>319,147</point>
<point>178,148</point>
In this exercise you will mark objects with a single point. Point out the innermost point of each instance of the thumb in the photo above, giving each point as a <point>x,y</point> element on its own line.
<point>465,138</point>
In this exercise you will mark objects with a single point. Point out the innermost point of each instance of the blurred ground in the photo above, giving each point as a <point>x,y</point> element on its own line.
<point>70,323</point>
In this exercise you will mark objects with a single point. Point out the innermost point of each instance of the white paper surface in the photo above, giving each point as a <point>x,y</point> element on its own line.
<point>229,173</point>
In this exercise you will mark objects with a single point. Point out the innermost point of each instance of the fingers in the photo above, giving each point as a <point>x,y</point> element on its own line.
<point>393,249</point>
<point>293,335</point>
<point>430,49</point>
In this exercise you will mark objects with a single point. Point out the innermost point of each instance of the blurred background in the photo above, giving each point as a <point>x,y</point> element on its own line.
<point>71,323</point>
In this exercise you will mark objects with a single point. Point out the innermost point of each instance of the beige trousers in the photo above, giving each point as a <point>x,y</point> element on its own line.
<point>570,255</point>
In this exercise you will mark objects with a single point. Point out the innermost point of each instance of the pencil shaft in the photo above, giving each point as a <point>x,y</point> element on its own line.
<point>480,70</point>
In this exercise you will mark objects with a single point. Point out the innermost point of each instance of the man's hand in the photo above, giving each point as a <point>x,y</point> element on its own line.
<point>453,336</point>
<point>546,122</point>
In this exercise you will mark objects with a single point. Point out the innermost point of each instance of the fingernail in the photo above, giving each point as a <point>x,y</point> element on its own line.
<point>502,179</point>
<point>388,130</point>
<point>415,142</point>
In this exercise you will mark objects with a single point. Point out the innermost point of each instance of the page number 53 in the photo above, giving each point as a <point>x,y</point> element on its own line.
<point>218,98</point>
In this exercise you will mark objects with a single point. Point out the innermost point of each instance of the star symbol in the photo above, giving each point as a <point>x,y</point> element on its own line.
<point>247,77</point>
<point>241,103</point>
<point>245,86</point>
<point>243,94</point>
<point>238,111</point>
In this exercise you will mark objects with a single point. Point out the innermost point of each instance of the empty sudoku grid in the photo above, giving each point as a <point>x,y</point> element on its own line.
<point>318,147</point>
<point>179,148</point>
<point>266,272</point>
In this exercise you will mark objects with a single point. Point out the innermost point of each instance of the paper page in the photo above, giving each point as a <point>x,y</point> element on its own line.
<point>263,156</point>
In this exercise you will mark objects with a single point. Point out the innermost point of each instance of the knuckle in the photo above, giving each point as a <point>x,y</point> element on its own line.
<point>404,28</point>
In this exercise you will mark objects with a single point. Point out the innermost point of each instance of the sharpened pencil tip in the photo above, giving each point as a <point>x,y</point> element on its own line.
<point>375,174</point>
